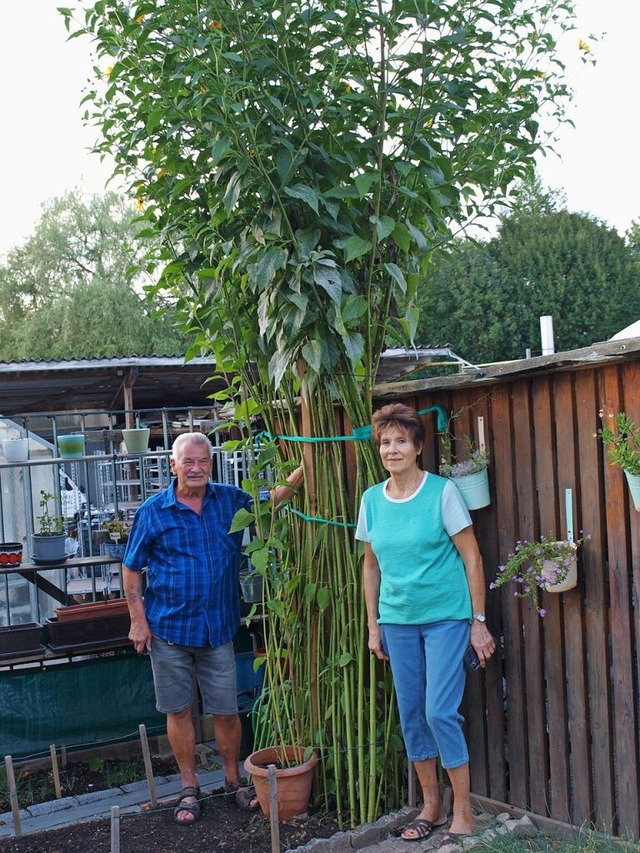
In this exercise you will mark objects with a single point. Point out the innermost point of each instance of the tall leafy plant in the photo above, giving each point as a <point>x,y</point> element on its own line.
<point>300,161</point>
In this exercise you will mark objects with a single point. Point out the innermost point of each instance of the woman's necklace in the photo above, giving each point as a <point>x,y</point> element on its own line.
<point>397,491</point>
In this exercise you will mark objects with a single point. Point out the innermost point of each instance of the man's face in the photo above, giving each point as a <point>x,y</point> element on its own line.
<point>193,466</point>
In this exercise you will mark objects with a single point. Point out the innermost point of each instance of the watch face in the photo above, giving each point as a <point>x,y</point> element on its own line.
<point>479,617</point>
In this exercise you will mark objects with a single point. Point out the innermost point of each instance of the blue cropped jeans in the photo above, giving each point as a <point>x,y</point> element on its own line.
<point>429,679</point>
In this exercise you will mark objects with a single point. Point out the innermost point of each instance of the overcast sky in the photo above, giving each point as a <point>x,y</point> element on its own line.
<point>43,144</point>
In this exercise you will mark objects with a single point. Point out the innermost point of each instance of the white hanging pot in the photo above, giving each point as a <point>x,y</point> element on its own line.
<point>474,489</point>
<point>633,481</point>
<point>551,568</point>
<point>16,449</point>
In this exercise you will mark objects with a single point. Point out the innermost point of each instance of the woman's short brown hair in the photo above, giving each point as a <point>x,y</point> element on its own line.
<point>400,416</point>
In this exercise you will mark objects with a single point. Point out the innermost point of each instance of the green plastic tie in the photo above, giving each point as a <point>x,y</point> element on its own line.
<point>321,520</point>
<point>362,433</point>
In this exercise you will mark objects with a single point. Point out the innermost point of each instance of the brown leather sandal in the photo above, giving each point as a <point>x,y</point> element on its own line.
<point>192,808</point>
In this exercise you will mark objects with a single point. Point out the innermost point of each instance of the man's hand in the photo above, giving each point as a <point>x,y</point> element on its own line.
<point>140,635</point>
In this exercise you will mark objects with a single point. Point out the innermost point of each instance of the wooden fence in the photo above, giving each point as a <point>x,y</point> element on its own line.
<point>553,724</point>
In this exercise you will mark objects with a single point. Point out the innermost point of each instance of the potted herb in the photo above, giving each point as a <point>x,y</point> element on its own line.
<point>470,475</point>
<point>623,449</point>
<point>49,544</point>
<point>118,530</point>
<point>546,564</point>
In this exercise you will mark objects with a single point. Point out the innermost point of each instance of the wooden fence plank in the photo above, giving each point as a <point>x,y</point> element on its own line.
<point>590,513</point>
<point>547,488</point>
<point>575,664</point>
<point>525,418</point>
<point>516,746</point>
<point>624,736</point>
<point>486,524</point>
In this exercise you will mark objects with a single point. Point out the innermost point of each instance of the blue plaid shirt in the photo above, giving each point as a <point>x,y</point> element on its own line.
<point>192,595</point>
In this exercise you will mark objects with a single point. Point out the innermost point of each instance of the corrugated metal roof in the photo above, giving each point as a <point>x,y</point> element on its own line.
<point>91,384</point>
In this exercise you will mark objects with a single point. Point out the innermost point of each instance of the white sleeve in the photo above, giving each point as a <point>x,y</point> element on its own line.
<point>455,515</point>
<point>362,532</point>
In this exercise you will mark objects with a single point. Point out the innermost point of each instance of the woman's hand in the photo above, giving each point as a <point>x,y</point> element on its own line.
<point>375,644</point>
<point>482,641</point>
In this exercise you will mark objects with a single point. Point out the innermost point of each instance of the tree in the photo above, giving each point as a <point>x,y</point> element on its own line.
<point>300,162</point>
<point>486,299</point>
<point>73,288</point>
<point>573,267</point>
<point>466,302</point>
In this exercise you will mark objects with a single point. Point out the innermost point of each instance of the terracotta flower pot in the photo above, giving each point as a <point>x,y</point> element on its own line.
<point>293,783</point>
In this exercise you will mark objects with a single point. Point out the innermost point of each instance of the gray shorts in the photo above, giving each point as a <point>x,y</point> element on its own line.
<point>176,669</point>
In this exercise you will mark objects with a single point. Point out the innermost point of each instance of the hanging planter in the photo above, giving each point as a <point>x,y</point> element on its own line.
<point>293,779</point>
<point>470,475</point>
<point>633,481</point>
<point>16,449</point>
<point>623,449</point>
<point>474,489</point>
<point>562,574</point>
<point>542,564</point>
<point>136,440</point>
<point>251,586</point>
<point>71,446</point>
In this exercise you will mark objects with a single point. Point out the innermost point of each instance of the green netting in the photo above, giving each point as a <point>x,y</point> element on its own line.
<point>76,704</point>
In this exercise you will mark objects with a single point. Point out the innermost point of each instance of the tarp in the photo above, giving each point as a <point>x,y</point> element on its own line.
<point>76,704</point>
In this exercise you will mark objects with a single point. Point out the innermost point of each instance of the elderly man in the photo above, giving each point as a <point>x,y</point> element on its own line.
<point>191,608</point>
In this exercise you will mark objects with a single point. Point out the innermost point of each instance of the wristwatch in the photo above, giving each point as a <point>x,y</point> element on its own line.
<point>479,617</point>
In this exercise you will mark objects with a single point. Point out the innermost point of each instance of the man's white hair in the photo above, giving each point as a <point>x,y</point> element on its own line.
<point>195,437</point>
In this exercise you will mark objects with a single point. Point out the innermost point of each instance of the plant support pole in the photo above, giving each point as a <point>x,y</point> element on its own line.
<point>55,770</point>
<point>273,809</point>
<point>115,829</point>
<point>147,765</point>
<point>13,796</point>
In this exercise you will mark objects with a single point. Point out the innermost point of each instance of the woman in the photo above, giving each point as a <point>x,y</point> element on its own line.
<point>424,586</point>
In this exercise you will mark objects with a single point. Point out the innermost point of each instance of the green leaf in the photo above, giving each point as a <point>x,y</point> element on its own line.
<point>417,235</point>
<point>304,193</point>
<point>397,275</point>
<point>328,279</point>
<point>232,193</point>
<point>261,558</point>
<point>365,182</point>
<point>219,149</point>
<point>240,520</point>
<point>312,354</point>
<point>356,247</point>
<point>323,598</point>
<point>384,225</point>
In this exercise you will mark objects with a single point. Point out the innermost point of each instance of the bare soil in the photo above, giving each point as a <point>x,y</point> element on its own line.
<point>222,828</point>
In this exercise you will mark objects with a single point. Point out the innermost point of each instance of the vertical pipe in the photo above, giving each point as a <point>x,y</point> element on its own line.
<point>546,334</point>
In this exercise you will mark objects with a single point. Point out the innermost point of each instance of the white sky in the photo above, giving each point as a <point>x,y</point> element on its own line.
<point>44,146</point>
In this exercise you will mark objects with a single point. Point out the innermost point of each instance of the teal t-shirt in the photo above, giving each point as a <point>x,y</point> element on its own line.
<point>422,575</point>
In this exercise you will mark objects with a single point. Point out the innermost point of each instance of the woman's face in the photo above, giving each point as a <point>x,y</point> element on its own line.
<point>397,451</point>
